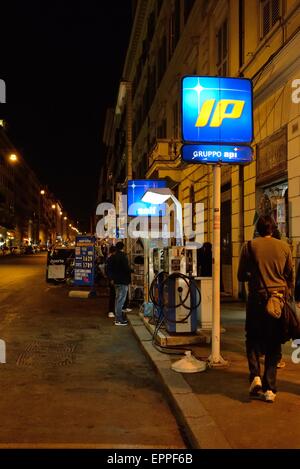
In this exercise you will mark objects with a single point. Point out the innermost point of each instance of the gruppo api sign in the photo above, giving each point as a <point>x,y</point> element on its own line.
<point>217,109</point>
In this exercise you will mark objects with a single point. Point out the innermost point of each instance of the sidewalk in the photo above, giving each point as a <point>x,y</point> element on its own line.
<point>214,406</point>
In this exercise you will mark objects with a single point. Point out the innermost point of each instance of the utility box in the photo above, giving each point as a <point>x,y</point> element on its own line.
<point>205,309</point>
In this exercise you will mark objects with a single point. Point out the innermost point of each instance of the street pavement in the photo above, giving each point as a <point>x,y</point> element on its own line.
<point>214,405</point>
<point>71,378</point>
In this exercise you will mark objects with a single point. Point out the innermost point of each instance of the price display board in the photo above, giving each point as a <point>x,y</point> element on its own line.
<point>84,261</point>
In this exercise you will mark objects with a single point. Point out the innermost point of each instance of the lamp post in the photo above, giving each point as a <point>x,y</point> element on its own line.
<point>66,228</point>
<point>13,160</point>
<point>42,193</point>
<point>215,358</point>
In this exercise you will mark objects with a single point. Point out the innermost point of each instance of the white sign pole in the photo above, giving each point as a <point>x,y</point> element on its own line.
<point>215,358</point>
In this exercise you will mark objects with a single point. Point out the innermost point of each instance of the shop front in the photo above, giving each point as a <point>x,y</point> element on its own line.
<point>272,181</point>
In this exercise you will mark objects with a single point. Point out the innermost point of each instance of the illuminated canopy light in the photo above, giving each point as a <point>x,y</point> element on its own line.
<point>157,196</point>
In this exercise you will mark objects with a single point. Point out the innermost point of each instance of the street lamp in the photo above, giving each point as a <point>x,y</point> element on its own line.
<point>160,196</point>
<point>42,193</point>
<point>13,158</point>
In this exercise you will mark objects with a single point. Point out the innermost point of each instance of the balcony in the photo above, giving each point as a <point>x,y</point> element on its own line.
<point>164,158</point>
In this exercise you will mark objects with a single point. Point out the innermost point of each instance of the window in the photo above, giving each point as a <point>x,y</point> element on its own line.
<point>222,49</point>
<point>162,129</point>
<point>270,13</point>
<point>188,5</point>
<point>241,32</point>
<point>150,27</point>
<point>174,29</point>
<point>162,60</point>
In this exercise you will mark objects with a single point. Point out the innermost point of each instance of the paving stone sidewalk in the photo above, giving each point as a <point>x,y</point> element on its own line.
<point>214,405</point>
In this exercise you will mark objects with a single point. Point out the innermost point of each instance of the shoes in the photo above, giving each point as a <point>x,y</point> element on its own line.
<point>126,310</point>
<point>121,323</point>
<point>269,396</point>
<point>111,314</point>
<point>281,364</point>
<point>255,389</point>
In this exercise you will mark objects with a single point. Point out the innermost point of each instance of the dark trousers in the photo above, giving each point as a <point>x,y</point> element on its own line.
<point>272,357</point>
<point>112,298</point>
<point>263,337</point>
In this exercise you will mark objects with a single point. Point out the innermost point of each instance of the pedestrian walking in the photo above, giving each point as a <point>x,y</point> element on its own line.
<point>204,260</point>
<point>112,293</point>
<point>120,273</point>
<point>266,264</point>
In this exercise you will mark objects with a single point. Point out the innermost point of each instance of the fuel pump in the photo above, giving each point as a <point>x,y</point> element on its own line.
<point>174,291</point>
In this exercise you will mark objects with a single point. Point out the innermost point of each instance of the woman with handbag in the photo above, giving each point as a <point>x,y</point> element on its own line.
<point>266,264</point>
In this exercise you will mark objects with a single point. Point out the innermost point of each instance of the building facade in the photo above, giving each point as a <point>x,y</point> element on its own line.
<point>256,39</point>
<point>29,212</point>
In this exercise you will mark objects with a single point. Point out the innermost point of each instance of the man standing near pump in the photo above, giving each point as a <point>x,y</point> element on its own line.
<point>120,274</point>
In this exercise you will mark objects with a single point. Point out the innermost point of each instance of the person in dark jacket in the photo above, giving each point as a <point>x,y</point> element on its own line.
<point>204,260</point>
<point>112,293</point>
<point>120,273</point>
<point>263,332</point>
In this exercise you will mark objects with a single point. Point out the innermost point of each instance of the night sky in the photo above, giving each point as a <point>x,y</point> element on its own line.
<point>62,62</point>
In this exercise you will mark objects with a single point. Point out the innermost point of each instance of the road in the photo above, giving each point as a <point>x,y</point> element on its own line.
<point>72,378</point>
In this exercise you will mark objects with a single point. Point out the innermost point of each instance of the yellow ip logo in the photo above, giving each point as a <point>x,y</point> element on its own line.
<point>213,112</point>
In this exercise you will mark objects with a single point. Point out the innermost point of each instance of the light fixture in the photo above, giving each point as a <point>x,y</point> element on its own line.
<point>53,206</point>
<point>161,195</point>
<point>65,218</point>
<point>13,157</point>
<point>42,192</point>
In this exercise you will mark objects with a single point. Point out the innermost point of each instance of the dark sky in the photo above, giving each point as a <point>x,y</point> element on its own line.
<point>62,62</point>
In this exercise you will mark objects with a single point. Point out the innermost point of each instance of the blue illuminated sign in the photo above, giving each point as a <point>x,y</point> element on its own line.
<point>84,271</point>
<point>210,154</point>
<point>136,190</point>
<point>217,109</point>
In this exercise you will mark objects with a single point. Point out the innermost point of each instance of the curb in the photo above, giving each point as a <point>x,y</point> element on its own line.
<point>201,430</point>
